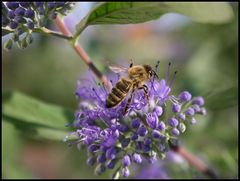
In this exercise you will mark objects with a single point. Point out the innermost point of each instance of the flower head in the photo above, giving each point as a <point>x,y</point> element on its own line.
<point>143,132</point>
<point>26,17</point>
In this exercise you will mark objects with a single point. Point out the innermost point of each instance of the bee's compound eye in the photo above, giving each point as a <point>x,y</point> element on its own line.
<point>150,73</point>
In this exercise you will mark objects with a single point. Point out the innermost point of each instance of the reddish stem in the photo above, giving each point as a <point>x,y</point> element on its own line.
<point>84,56</point>
<point>194,161</point>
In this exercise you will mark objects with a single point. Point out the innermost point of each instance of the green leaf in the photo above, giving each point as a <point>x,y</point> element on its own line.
<point>139,12</point>
<point>11,145</point>
<point>36,131</point>
<point>36,118</point>
<point>208,12</point>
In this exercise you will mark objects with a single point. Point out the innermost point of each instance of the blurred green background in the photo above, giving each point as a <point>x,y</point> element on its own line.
<point>205,56</point>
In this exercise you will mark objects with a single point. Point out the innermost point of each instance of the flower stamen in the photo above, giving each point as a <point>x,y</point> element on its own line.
<point>169,65</point>
<point>174,75</point>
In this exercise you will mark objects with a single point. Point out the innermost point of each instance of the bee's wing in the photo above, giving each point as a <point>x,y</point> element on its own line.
<point>118,69</point>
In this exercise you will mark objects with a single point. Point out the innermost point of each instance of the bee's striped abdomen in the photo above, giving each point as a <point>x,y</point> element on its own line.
<point>118,93</point>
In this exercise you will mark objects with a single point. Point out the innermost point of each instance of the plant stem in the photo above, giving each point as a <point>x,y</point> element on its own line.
<point>194,161</point>
<point>84,56</point>
<point>44,31</point>
<point>57,34</point>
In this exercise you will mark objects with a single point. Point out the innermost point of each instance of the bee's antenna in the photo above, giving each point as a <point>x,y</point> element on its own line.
<point>131,63</point>
<point>156,67</point>
<point>155,74</point>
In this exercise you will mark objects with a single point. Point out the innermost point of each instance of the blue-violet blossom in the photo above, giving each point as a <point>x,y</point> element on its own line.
<point>144,132</point>
<point>23,18</point>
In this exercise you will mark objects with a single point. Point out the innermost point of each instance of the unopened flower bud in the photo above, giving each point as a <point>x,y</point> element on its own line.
<point>142,131</point>
<point>185,96</point>
<point>135,123</point>
<point>111,153</point>
<point>173,122</point>
<point>175,132</point>
<point>161,126</point>
<point>190,111</point>
<point>125,172</point>
<point>158,110</point>
<point>126,161</point>
<point>198,100</point>
<point>137,158</point>
<point>176,108</point>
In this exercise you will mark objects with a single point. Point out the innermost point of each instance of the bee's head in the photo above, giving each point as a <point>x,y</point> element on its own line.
<point>150,71</point>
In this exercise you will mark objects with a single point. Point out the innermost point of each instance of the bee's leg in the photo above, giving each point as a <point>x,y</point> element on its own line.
<point>145,88</point>
<point>127,105</point>
<point>128,102</point>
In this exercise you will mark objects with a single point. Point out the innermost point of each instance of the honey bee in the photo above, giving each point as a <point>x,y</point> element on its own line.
<point>137,75</point>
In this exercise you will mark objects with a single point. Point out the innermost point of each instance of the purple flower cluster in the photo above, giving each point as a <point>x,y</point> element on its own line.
<point>144,132</point>
<point>23,17</point>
